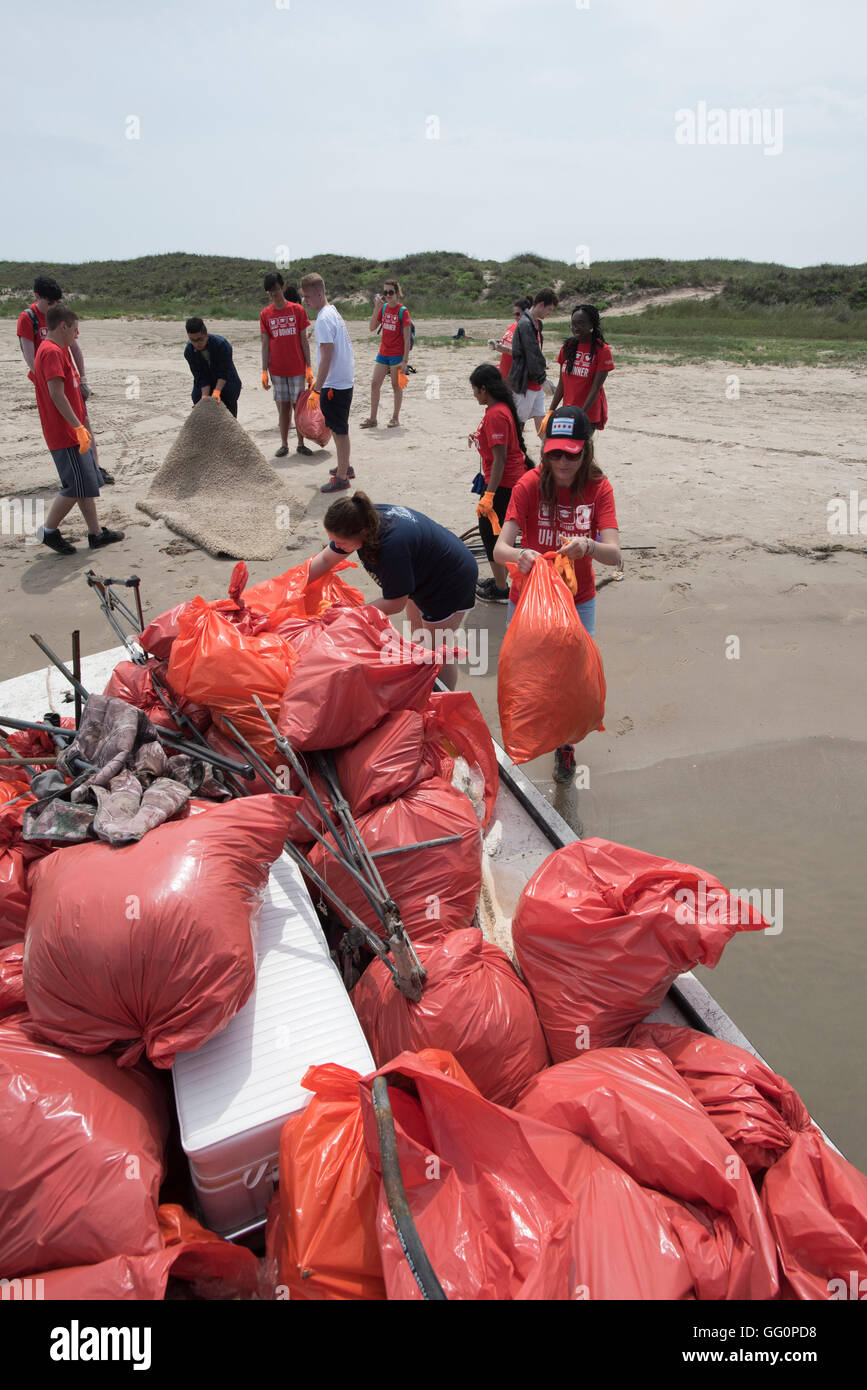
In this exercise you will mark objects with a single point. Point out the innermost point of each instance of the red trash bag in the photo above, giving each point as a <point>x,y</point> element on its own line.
<point>601,931</point>
<point>508,1207</point>
<point>473,1006</point>
<point>386,762</point>
<point>81,1154</point>
<point>218,666</point>
<point>436,889</point>
<point>357,670</point>
<point>309,420</point>
<point>292,594</point>
<point>27,743</point>
<point>633,1107</point>
<point>12,999</point>
<point>456,725</point>
<point>16,857</point>
<point>814,1200</point>
<point>214,1268</point>
<point>550,681</point>
<point>132,683</point>
<point>152,945</point>
<point>328,1196</point>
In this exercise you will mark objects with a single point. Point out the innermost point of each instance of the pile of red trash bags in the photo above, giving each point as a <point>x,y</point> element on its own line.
<point>622,1174</point>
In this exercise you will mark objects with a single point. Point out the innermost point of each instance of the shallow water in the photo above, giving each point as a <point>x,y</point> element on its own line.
<point>790,817</point>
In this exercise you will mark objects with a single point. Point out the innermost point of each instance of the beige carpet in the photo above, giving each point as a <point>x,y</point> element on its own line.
<point>217,489</point>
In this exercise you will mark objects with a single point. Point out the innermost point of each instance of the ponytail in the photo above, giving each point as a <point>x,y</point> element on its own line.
<point>352,516</point>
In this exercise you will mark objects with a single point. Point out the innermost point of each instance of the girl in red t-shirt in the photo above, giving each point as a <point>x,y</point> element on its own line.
<point>500,442</point>
<point>393,318</point>
<point>564,505</point>
<point>585,361</point>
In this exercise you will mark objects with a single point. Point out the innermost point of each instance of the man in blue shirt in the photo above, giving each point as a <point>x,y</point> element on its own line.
<point>210,360</point>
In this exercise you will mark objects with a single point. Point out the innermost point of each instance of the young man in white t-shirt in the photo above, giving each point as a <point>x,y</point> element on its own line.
<point>335,375</point>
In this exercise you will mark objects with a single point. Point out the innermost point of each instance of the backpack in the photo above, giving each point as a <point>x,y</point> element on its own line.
<point>37,328</point>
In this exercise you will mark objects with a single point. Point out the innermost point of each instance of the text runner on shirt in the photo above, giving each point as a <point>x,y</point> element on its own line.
<point>500,442</point>
<point>61,415</point>
<point>393,317</point>
<point>585,361</point>
<point>285,355</point>
<point>32,330</point>
<point>563,505</point>
<point>418,564</point>
<point>504,345</point>
<point>335,375</point>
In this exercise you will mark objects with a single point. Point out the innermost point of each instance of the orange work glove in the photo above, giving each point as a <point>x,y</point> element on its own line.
<point>216,395</point>
<point>313,400</point>
<point>308,376</point>
<point>402,380</point>
<point>266,382</point>
<point>486,508</point>
<point>85,439</point>
<point>541,429</point>
<point>566,570</point>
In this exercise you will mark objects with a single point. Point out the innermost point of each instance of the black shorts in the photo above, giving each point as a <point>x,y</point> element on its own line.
<point>457,594</point>
<point>334,402</point>
<point>486,530</point>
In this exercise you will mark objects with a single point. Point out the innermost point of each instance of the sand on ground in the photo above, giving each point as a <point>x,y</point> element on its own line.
<point>748,764</point>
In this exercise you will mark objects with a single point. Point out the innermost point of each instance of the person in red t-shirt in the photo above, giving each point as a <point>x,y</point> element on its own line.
<point>585,361</point>
<point>563,505</point>
<point>31,332</point>
<point>61,414</point>
<point>286,355</point>
<point>394,319</point>
<point>503,345</point>
<point>500,442</point>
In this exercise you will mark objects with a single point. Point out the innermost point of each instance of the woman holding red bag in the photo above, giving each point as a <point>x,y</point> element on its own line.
<point>563,505</point>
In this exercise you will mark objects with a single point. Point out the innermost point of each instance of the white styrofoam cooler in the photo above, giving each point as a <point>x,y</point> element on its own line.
<point>234,1093</point>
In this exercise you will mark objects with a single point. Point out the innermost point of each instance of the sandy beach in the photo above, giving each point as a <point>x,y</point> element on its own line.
<point>750,766</point>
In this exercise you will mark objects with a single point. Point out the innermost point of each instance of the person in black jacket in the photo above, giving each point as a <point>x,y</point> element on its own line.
<point>210,360</point>
<point>529,369</point>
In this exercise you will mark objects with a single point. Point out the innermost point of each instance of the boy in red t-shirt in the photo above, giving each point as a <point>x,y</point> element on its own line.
<point>585,361</point>
<point>61,414</point>
<point>394,319</point>
<point>286,355</point>
<point>31,330</point>
<point>563,505</point>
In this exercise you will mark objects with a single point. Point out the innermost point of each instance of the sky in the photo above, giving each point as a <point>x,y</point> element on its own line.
<point>584,130</point>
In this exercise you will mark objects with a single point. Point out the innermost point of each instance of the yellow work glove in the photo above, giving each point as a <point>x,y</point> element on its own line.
<point>216,396</point>
<point>308,376</point>
<point>566,570</point>
<point>84,437</point>
<point>266,383</point>
<point>486,508</point>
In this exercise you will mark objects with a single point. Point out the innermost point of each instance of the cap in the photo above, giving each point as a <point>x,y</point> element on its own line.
<point>567,429</point>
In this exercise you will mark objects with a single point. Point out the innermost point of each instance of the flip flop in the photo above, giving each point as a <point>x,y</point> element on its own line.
<point>368,424</point>
<point>393,425</point>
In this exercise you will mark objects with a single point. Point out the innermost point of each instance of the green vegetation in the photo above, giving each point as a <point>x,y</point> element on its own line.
<point>761,311</point>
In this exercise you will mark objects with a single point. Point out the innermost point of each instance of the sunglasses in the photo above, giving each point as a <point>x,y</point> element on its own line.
<point>387,293</point>
<point>560,454</point>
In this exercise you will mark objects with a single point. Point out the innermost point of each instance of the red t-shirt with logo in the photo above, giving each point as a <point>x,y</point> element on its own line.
<point>577,383</point>
<point>393,318</point>
<point>498,427</point>
<point>544,530</point>
<point>52,361</point>
<point>25,328</point>
<point>284,327</point>
<point>506,359</point>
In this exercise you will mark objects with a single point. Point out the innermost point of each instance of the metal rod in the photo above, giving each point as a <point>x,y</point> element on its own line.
<point>285,748</point>
<point>13,760</point>
<point>76,671</point>
<point>420,844</point>
<point>55,660</point>
<point>392,1180</point>
<point>7,722</point>
<point>349,868</point>
<point>376,944</point>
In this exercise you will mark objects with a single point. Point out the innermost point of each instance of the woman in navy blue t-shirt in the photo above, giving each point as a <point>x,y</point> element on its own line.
<point>418,564</point>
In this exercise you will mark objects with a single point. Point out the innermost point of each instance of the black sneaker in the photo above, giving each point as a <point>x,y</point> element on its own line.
<point>56,542</point>
<point>105,537</point>
<point>107,478</point>
<point>302,449</point>
<point>489,592</point>
<point>564,763</point>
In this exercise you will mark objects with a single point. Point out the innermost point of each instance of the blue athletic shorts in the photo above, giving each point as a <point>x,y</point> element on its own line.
<point>389,361</point>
